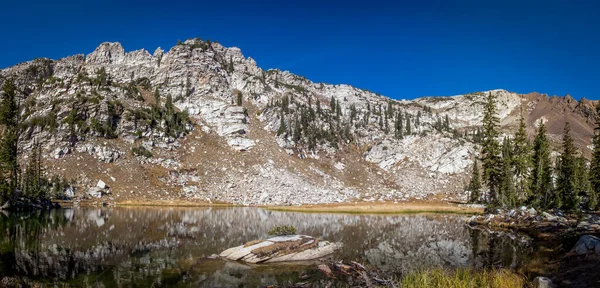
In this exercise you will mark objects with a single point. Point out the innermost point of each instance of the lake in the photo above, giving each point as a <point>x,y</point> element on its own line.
<point>157,246</point>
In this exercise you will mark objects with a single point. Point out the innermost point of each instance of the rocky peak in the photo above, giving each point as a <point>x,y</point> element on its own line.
<point>107,53</point>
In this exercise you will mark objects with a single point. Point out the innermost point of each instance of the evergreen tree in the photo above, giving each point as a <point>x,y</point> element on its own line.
<point>583,184</point>
<point>9,166</point>
<point>319,107</point>
<point>408,129</point>
<point>541,174</point>
<point>332,104</point>
<point>475,184</point>
<point>282,126</point>
<point>594,174</point>
<point>492,162</point>
<point>239,98</point>
<point>566,190</point>
<point>398,126</point>
<point>507,196</point>
<point>387,126</point>
<point>521,161</point>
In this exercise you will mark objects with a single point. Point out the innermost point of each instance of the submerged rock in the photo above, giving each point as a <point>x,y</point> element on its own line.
<point>587,244</point>
<point>281,249</point>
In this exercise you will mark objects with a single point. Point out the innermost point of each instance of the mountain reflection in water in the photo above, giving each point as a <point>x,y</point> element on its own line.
<point>143,246</point>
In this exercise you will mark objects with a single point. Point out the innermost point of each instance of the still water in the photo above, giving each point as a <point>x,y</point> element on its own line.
<point>144,247</point>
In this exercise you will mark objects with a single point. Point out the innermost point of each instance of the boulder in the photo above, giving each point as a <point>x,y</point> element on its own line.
<point>281,249</point>
<point>587,244</point>
<point>542,282</point>
<point>70,192</point>
<point>95,192</point>
<point>101,184</point>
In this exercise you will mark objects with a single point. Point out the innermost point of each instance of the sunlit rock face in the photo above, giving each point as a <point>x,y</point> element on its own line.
<point>145,244</point>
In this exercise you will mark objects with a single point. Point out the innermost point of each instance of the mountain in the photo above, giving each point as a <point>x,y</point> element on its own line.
<point>225,130</point>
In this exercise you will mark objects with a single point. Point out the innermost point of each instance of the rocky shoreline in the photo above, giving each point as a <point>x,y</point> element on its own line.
<point>22,204</point>
<point>551,224</point>
<point>576,266</point>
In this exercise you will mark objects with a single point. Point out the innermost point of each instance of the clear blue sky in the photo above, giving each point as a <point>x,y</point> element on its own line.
<point>402,49</point>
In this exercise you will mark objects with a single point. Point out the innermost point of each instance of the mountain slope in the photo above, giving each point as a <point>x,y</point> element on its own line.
<point>239,134</point>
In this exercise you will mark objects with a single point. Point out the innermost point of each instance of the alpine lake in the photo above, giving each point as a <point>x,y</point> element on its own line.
<point>177,247</point>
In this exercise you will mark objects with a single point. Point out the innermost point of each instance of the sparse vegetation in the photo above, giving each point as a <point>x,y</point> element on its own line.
<point>282,230</point>
<point>462,278</point>
<point>141,151</point>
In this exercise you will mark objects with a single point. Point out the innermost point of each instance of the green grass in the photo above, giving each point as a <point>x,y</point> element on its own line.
<point>463,278</point>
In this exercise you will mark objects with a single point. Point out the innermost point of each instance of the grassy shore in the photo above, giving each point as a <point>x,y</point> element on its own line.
<point>463,278</point>
<point>382,208</point>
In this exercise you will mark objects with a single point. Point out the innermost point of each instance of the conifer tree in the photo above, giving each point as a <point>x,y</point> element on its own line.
<point>282,126</point>
<point>583,184</point>
<point>9,166</point>
<point>541,185</point>
<point>491,158</point>
<point>332,104</point>
<point>521,161</point>
<point>398,126</point>
<point>475,184</point>
<point>594,174</point>
<point>506,195</point>
<point>566,190</point>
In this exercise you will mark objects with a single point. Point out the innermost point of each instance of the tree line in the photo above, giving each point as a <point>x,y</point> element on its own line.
<point>14,180</point>
<point>517,172</point>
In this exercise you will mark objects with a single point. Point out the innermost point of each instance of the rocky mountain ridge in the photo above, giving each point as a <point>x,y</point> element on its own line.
<point>203,122</point>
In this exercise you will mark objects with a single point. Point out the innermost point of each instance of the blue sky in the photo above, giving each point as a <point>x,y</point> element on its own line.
<point>402,49</point>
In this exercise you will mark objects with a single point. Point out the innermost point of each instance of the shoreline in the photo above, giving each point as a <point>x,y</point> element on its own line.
<point>409,207</point>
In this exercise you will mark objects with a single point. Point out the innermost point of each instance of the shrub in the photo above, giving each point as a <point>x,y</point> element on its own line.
<point>141,151</point>
<point>282,230</point>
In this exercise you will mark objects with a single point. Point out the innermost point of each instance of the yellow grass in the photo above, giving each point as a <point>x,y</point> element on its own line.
<point>381,208</point>
<point>463,278</point>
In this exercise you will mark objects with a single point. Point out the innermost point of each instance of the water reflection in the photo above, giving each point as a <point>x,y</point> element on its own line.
<point>173,246</point>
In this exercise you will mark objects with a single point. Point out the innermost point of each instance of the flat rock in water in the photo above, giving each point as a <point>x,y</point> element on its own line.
<point>281,249</point>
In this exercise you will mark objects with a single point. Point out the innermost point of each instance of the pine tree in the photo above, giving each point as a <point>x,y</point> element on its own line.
<point>521,161</point>
<point>475,184</point>
<point>398,126</point>
<point>492,162</point>
<point>541,185</point>
<point>9,165</point>
<point>332,104</point>
<point>282,126</point>
<point>239,98</point>
<point>583,184</point>
<point>507,196</point>
<point>594,174</point>
<point>566,190</point>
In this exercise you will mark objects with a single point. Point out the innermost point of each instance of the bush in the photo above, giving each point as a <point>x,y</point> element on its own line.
<point>141,151</point>
<point>282,230</point>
